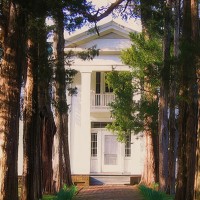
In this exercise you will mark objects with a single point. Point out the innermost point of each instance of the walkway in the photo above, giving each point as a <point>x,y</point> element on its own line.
<point>109,192</point>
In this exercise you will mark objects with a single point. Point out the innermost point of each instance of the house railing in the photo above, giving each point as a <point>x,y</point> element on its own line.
<point>101,101</point>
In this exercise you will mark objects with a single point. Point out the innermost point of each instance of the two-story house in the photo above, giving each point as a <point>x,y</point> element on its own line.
<point>94,150</point>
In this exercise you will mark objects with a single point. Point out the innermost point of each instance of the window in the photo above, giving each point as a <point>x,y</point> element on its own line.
<point>98,89</point>
<point>94,144</point>
<point>98,82</point>
<point>128,146</point>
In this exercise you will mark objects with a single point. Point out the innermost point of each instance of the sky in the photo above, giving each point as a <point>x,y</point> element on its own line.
<point>131,23</point>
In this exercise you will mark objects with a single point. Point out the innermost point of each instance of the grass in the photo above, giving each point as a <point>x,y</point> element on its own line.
<point>151,194</point>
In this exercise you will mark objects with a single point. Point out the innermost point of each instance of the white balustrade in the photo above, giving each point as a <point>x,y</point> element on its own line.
<point>101,101</point>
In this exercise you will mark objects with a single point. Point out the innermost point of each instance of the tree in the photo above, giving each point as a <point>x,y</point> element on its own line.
<point>145,59</point>
<point>173,132</point>
<point>47,124</point>
<point>187,104</point>
<point>124,108</point>
<point>31,130</point>
<point>163,130</point>
<point>61,165</point>
<point>11,37</point>
<point>197,171</point>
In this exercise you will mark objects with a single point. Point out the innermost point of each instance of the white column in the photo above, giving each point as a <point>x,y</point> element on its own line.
<point>85,132</point>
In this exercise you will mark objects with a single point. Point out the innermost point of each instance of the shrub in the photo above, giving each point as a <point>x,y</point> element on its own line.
<point>66,193</point>
<point>49,197</point>
<point>151,194</point>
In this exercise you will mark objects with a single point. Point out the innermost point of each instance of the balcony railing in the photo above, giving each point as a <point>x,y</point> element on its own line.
<point>101,101</point>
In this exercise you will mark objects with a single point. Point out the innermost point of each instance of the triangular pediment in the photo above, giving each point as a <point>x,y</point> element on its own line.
<point>112,36</point>
<point>110,30</point>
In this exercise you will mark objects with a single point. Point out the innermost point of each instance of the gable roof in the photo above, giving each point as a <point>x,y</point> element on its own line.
<point>105,29</point>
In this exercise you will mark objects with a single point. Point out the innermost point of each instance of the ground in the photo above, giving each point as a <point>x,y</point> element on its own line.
<point>109,192</point>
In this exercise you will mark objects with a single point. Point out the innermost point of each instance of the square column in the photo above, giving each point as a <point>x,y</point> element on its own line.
<point>84,139</point>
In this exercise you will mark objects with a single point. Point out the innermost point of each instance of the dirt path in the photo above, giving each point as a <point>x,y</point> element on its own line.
<point>109,192</point>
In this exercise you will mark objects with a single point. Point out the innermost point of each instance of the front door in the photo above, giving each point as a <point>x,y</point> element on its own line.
<point>110,157</point>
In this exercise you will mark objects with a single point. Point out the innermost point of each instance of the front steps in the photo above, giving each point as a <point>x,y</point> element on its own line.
<point>105,179</point>
<point>114,179</point>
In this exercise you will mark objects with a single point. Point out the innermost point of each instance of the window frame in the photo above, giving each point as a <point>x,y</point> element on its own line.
<point>94,143</point>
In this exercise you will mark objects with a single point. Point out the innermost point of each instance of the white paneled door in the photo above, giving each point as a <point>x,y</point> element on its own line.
<point>110,154</point>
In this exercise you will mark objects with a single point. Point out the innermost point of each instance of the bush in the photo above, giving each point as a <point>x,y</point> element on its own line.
<point>151,194</point>
<point>48,197</point>
<point>66,193</point>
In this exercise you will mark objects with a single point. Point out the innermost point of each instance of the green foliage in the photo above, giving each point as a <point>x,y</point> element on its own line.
<point>151,194</point>
<point>48,197</point>
<point>123,109</point>
<point>66,193</point>
<point>145,58</point>
<point>89,54</point>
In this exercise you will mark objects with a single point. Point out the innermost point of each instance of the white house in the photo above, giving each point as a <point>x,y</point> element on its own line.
<point>94,150</point>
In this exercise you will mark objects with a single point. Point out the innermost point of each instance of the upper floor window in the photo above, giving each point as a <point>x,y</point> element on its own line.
<point>98,82</point>
<point>101,84</point>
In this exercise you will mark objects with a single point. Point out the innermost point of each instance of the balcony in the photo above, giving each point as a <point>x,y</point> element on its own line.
<point>100,102</point>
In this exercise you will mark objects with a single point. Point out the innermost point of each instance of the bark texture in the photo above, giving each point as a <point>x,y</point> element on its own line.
<point>197,175</point>
<point>31,180</point>
<point>150,172</point>
<point>188,106</point>
<point>61,161</point>
<point>196,37</point>
<point>163,103</point>
<point>10,78</point>
<point>151,165</point>
<point>173,132</point>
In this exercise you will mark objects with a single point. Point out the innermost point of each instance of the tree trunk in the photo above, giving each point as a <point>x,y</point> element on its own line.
<point>61,165</point>
<point>150,172</point>
<point>10,78</point>
<point>151,165</point>
<point>47,124</point>
<point>47,133</point>
<point>197,175</point>
<point>173,132</point>
<point>188,106</point>
<point>163,103</point>
<point>196,37</point>
<point>173,139</point>
<point>31,180</point>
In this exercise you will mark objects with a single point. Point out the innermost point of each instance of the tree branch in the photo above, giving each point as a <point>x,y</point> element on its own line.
<point>94,18</point>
